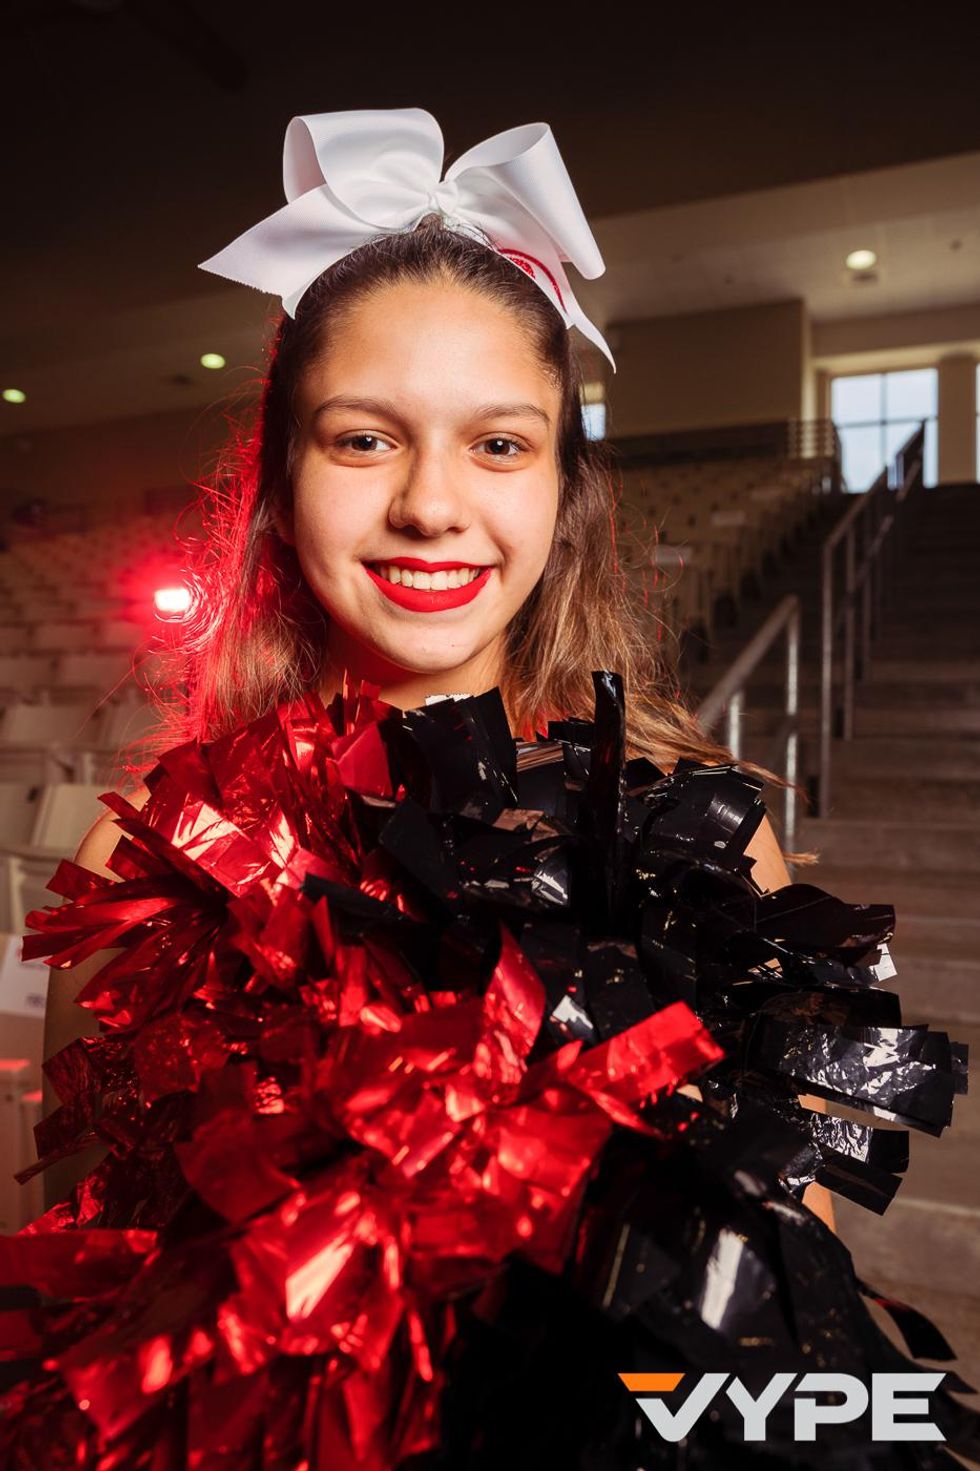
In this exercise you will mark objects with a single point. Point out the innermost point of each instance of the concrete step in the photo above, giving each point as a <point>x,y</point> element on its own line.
<point>911,845</point>
<point>954,694</point>
<point>877,760</point>
<point>760,724</point>
<point>929,552</point>
<point>913,584</point>
<point>922,640</point>
<point>919,671</point>
<point>915,893</point>
<point>951,681</point>
<point>925,798</point>
<point>874,694</point>
<point>944,532</point>
<point>946,759</point>
<point>932,621</point>
<point>923,1243</point>
<point>930,987</point>
<point>939,578</point>
<point>942,535</point>
<point>913,719</point>
<point>891,720</point>
<point>857,841</point>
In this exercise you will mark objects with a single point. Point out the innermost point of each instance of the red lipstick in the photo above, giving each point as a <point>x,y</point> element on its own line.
<point>425,600</point>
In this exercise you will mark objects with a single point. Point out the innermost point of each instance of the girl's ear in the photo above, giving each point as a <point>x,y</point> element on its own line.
<point>282,519</point>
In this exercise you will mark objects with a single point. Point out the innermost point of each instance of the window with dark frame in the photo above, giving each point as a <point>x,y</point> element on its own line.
<point>875,413</point>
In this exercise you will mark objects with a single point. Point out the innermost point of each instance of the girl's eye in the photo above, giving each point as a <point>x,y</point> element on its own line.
<point>504,439</point>
<point>349,439</point>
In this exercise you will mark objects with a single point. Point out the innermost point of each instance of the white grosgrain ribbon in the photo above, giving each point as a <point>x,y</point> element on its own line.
<point>349,176</point>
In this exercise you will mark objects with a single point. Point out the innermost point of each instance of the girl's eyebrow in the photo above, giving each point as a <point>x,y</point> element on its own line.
<point>390,410</point>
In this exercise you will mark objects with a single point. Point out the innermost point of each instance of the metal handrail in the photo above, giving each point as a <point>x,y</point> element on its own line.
<point>795,439</point>
<point>872,517</point>
<point>728,698</point>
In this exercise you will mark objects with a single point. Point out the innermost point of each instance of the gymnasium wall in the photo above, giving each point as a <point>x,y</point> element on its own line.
<point>108,465</point>
<point>741,365</point>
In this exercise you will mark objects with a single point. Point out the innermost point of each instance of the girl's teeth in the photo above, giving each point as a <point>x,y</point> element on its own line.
<point>434,581</point>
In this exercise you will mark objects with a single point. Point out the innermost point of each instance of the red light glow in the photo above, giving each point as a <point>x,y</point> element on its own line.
<point>172,600</point>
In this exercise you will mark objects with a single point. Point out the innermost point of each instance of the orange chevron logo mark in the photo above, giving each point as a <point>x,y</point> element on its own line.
<point>651,1383</point>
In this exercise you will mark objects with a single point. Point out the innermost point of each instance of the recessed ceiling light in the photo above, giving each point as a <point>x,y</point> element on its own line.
<point>14,396</point>
<point>861,260</point>
<point>212,360</point>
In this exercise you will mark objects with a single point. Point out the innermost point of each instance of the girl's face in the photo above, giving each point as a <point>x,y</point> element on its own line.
<point>425,489</point>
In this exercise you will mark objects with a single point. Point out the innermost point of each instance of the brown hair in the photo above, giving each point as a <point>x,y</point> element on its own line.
<point>257,634</point>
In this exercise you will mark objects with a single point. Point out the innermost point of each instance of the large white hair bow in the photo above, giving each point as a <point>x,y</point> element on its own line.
<point>349,176</point>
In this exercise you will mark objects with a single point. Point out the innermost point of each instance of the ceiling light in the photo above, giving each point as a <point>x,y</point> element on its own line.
<point>212,360</point>
<point>861,260</point>
<point>14,396</point>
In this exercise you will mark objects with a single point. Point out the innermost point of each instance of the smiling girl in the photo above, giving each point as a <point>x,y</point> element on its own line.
<point>389,1063</point>
<point>417,505</point>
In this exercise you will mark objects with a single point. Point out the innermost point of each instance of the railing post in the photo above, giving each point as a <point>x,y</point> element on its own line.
<point>826,677</point>
<point>878,569</point>
<point>727,696</point>
<point>792,725</point>
<point>883,522</point>
<point>847,721</point>
<point>733,732</point>
<point>870,558</point>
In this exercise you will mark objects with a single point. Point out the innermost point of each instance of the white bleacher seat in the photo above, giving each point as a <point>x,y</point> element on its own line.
<point>13,637</point>
<point>65,811</point>
<point>121,724</point>
<point>103,672</point>
<point>65,637</point>
<point>18,813</point>
<point>23,886</point>
<point>94,605</point>
<point>36,608</point>
<point>22,875</point>
<point>60,815</point>
<point>119,633</point>
<point>52,742</point>
<point>124,721</point>
<point>22,674</point>
<point>23,723</point>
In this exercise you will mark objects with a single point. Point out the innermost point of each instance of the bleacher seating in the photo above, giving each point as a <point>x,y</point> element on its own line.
<point>76,658</point>
<point>59,816</point>
<point>709,531</point>
<point>76,628</point>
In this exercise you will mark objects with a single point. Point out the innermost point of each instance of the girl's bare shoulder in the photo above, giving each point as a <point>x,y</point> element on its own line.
<point>102,837</point>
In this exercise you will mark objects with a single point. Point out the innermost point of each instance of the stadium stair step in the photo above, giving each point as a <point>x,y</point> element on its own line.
<point>904,829</point>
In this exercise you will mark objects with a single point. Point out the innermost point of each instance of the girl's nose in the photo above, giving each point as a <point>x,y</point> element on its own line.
<point>429,499</point>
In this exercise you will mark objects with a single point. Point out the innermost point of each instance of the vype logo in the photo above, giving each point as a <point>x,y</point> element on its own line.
<point>898,1403</point>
